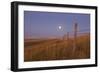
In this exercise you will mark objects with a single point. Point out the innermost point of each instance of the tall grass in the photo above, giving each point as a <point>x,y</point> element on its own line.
<point>57,49</point>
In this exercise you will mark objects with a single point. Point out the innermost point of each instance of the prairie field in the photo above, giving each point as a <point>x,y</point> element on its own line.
<point>56,49</point>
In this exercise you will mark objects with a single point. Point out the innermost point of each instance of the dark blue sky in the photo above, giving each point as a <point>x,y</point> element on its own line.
<point>45,24</point>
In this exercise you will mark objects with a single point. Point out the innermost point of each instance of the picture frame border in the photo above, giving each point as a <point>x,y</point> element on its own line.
<point>14,35</point>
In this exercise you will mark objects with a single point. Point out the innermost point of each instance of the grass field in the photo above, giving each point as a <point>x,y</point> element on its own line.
<point>56,49</point>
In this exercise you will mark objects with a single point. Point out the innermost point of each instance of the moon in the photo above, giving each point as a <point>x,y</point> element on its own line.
<point>60,27</point>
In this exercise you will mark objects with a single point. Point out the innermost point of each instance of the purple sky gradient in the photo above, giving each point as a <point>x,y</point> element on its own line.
<point>45,24</point>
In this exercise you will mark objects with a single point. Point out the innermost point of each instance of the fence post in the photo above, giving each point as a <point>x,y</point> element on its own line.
<point>75,36</point>
<point>67,36</point>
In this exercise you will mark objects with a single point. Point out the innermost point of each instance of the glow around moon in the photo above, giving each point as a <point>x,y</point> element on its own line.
<point>60,27</point>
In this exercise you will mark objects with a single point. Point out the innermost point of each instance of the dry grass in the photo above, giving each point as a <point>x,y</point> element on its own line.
<point>57,49</point>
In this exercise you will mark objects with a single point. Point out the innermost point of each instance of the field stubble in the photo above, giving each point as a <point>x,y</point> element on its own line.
<point>57,49</point>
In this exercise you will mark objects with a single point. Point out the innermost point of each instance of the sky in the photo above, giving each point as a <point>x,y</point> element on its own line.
<point>53,24</point>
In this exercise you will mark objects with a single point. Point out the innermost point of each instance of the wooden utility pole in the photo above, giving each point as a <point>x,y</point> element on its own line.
<point>75,36</point>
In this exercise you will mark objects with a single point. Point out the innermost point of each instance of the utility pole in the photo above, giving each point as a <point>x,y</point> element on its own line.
<point>75,35</point>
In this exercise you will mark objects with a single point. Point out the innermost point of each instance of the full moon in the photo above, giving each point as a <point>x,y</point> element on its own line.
<point>60,27</point>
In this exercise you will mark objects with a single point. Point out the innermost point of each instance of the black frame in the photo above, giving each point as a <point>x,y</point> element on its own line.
<point>14,35</point>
